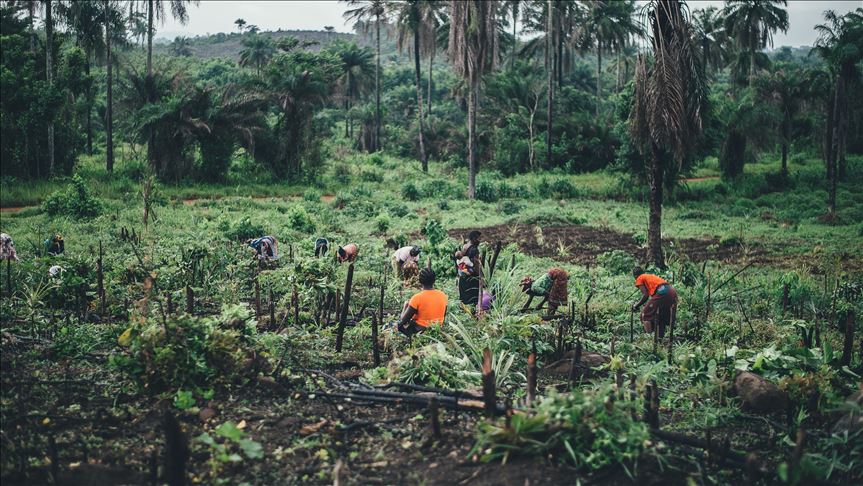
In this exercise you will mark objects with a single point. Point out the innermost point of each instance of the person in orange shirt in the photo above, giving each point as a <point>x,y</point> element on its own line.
<point>661,299</point>
<point>425,308</point>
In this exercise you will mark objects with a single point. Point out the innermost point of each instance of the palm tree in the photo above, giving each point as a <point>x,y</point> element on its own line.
<point>519,90</point>
<point>49,75</point>
<point>415,25</point>
<point>668,105</point>
<point>514,7</point>
<point>603,25</point>
<point>258,52</point>
<point>156,11</point>
<point>752,23</point>
<point>364,13</point>
<point>181,46</point>
<point>839,44</point>
<point>710,37</point>
<point>549,66</point>
<point>85,18</point>
<point>785,87</point>
<point>240,23</point>
<point>473,52</point>
<point>356,68</point>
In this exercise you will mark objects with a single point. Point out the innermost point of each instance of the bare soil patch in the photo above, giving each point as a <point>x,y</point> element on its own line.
<point>583,244</point>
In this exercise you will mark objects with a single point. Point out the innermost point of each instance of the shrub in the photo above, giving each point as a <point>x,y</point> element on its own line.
<point>342,173</point>
<point>312,195</point>
<point>443,204</point>
<point>382,223</point>
<point>509,207</point>
<point>776,181</point>
<point>375,159</point>
<point>434,231</point>
<point>371,176</point>
<point>299,220</point>
<point>191,352</point>
<point>75,201</point>
<point>563,189</point>
<point>241,230</point>
<point>486,191</point>
<point>617,262</point>
<point>410,192</point>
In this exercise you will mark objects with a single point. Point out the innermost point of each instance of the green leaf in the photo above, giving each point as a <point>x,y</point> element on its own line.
<point>206,439</point>
<point>230,431</point>
<point>184,400</point>
<point>252,449</point>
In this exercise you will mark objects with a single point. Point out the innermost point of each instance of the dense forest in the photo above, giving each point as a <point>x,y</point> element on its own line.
<point>149,339</point>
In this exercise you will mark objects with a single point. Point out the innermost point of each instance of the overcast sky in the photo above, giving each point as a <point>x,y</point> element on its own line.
<point>213,16</point>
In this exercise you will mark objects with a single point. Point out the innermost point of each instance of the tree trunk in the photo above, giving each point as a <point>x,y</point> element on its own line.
<point>751,65</point>
<point>832,175</point>
<point>418,75</point>
<point>49,73</point>
<point>617,88</point>
<point>89,108</point>
<point>377,144</point>
<point>109,109</point>
<point>514,38</point>
<point>431,66</point>
<point>786,134</point>
<point>842,128</point>
<point>31,7</point>
<point>558,63</point>
<point>150,14</point>
<point>598,74</point>
<point>654,222</point>
<point>473,92</point>
<point>549,63</point>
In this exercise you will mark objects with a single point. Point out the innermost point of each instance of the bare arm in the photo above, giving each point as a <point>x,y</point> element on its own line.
<point>407,315</point>
<point>644,297</point>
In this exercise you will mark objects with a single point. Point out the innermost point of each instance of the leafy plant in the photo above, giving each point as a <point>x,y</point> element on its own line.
<point>74,201</point>
<point>226,446</point>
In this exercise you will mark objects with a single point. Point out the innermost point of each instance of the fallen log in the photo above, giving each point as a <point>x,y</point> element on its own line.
<point>420,401</point>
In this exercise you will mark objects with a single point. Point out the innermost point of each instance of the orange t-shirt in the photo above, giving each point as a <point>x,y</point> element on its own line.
<point>430,306</point>
<point>650,281</point>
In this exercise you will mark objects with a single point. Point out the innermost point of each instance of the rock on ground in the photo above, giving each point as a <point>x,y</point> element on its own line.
<point>758,394</point>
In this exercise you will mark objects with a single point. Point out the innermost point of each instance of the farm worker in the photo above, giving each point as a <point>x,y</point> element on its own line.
<point>660,296</point>
<point>266,247</point>
<point>425,308</point>
<point>7,248</point>
<point>469,269</point>
<point>405,257</point>
<point>553,287</point>
<point>55,245</point>
<point>321,247</point>
<point>347,253</point>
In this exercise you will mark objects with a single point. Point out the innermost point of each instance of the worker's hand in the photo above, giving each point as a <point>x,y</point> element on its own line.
<point>635,307</point>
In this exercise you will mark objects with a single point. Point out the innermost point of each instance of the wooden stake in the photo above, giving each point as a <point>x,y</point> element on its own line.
<point>376,357</point>
<point>176,451</point>
<point>671,334</point>
<point>631,325</point>
<point>488,384</point>
<point>651,405</point>
<point>55,459</point>
<point>100,280</point>
<point>380,321</point>
<point>847,350</point>
<point>190,300</point>
<point>531,378</point>
<point>257,299</point>
<point>707,303</point>
<point>170,302</point>
<point>9,277</point>
<point>295,302</point>
<point>493,262</point>
<point>272,309</point>
<point>344,315</point>
<point>434,417</point>
<point>576,360</point>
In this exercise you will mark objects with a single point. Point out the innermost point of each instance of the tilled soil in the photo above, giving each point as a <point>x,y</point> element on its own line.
<point>583,244</point>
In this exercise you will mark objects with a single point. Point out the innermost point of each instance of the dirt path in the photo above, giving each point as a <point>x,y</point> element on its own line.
<point>700,179</point>
<point>14,209</point>
<point>191,201</point>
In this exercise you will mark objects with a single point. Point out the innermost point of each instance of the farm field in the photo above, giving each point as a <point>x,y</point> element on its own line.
<point>424,242</point>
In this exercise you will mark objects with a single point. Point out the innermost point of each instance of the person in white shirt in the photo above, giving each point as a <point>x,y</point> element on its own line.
<point>406,255</point>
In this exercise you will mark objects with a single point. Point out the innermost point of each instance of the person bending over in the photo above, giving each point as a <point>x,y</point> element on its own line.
<point>553,287</point>
<point>469,265</point>
<point>406,255</point>
<point>321,247</point>
<point>425,308</point>
<point>266,247</point>
<point>660,297</point>
<point>347,253</point>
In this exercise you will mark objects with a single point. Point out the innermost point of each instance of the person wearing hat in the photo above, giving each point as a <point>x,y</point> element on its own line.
<point>469,266</point>
<point>321,247</point>
<point>55,245</point>
<point>405,256</point>
<point>425,308</point>
<point>347,253</point>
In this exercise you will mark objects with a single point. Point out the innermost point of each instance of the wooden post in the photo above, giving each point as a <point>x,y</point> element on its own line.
<point>479,293</point>
<point>190,300</point>
<point>272,309</point>
<point>380,321</point>
<point>785,299</point>
<point>671,333</point>
<point>434,417</point>
<point>847,350</point>
<point>257,298</point>
<point>100,280</point>
<point>344,316</point>
<point>651,405</point>
<point>9,277</point>
<point>707,303</point>
<point>531,379</point>
<point>655,336</point>
<point>170,302</point>
<point>493,262</point>
<point>295,302</point>
<point>55,459</point>
<point>488,384</point>
<point>376,356</point>
<point>576,360</point>
<point>631,324</point>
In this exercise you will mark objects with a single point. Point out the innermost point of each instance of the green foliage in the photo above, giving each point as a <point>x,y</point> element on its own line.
<point>241,229</point>
<point>299,220</point>
<point>410,191</point>
<point>487,191</point>
<point>225,447</point>
<point>587,428</point>
<point>75,201</point>
<point>188,352</point>
<point>617,262</point>
<point>433,365</point>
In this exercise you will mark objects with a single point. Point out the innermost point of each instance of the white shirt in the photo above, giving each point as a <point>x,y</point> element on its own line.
<point>403,254</point>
